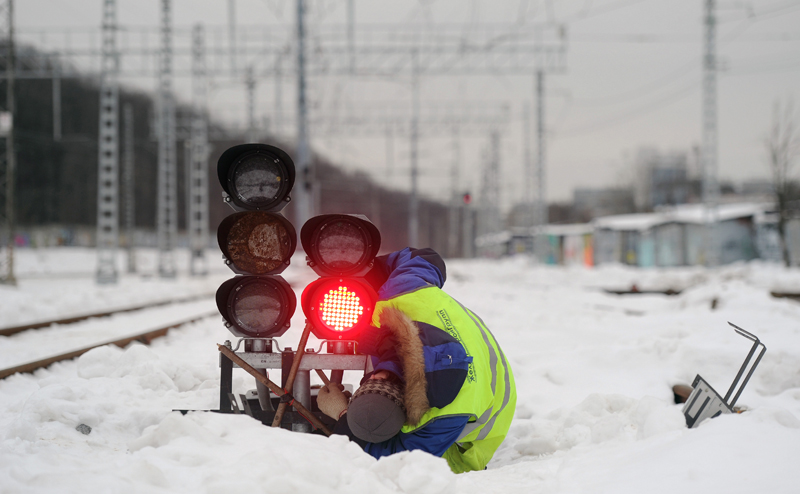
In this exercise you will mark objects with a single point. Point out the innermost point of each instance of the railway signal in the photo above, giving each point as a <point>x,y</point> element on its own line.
<point>341,248</point>
<point>257,242</point>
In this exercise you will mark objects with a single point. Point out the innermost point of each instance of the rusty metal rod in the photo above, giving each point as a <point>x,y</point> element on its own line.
<point>322,376</point>
<point>276,422</point>
<point>273,387</point>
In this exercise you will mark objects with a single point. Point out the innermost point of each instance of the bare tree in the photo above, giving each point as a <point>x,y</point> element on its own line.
<point>783,146</point>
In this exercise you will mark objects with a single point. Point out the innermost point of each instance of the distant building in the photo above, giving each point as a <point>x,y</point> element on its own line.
<point>755,190</point>
<point>662,179</point>
<point>675,236</point>
<point>592,203</point>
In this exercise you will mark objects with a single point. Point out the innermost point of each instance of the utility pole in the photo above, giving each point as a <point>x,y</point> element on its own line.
<point>108,152</point>
<point>528,197</point>
<point>413,203</point>
<point>232,35</point>
<point>167,216</point>
<point>129,184</point>
<point>278,124</point>
<point>56,100</point>
<point>710,184</point>
<point>197,214</point>
<point>489,205</point>
<point>351,34</point>
<point>250,85</point>
<point>303,193</point>
<point>540,213</point>
<point>7,175</point>
<point>455,199</point>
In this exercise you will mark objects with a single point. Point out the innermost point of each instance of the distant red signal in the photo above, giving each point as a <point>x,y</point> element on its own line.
<point>467,198</point>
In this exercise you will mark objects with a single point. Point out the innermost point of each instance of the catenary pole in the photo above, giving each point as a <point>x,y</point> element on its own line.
<point>108,152</point>
<point>167,211</point>
<point>128,184</point>
<point>197,183</point>
<point>7,179</point>
<point>413,199</point>
<point>303,193</point>
<point>710,184</point>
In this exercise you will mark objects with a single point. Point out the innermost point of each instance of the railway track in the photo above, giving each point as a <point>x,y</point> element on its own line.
<point>8,331</point>
<point>74,336</point>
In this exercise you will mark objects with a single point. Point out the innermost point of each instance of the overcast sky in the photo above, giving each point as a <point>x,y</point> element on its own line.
<point>632,79</point>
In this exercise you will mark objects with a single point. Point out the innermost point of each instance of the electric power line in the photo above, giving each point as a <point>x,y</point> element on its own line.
<point>629,115</point>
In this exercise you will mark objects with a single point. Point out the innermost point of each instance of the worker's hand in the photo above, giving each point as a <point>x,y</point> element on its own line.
<point>332,401</point>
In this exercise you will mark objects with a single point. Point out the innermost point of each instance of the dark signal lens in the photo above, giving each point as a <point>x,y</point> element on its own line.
<point>256,177</point>
<point>341,245</point>
<point>256,307</point>
<point>257,180</point>
<point>257,242</point>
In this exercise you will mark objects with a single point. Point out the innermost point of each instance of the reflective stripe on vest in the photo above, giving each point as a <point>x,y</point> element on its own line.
<point>506,374</point>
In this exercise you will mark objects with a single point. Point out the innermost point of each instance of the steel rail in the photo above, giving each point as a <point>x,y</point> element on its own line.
<point>69,320</point>
<point>145,337</point>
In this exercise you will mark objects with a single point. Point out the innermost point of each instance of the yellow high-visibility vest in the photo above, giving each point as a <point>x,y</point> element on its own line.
<point>488,396</point>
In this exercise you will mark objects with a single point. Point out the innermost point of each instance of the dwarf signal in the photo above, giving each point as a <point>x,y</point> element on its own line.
<point>257,242</point>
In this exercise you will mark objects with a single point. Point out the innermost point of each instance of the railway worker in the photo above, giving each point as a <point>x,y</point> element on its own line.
<point>440,382</point>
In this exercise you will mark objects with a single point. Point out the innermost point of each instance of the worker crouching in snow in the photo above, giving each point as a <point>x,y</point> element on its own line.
<point>440,382</point>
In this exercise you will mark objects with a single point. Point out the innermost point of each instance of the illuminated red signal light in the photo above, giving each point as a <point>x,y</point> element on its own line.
<point>338,308</point>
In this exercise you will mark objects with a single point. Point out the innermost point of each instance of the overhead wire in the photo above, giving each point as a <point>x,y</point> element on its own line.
<point>629,115</point>
<point>662,82</point>
<point>597,11</point>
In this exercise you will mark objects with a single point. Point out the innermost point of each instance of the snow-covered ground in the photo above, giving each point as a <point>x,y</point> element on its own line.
<point>593,372</point>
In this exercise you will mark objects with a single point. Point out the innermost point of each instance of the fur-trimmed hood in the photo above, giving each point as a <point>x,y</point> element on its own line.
<point>409,350</point>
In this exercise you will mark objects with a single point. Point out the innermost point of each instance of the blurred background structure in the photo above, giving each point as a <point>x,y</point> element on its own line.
<point>632,131</point>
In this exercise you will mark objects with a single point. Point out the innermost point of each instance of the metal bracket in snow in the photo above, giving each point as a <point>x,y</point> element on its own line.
<point>705,402</point>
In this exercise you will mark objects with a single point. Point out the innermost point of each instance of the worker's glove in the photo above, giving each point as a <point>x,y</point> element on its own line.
<point>332,401</point>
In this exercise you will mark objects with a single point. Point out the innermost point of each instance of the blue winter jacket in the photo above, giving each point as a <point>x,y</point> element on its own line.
<point>406,271</point>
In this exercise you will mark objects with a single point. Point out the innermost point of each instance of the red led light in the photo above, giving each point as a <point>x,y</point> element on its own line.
<point>340,308</point>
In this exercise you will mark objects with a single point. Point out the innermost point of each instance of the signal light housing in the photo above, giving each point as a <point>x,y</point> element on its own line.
<point>256,306</point>
<point>256,177</point>
<point>340,244</point>
<point>341,248</point>
<point>256,242</point>
<point>338,308</point>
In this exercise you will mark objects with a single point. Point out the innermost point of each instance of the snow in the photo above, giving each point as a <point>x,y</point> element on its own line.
<point>593,371</point>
